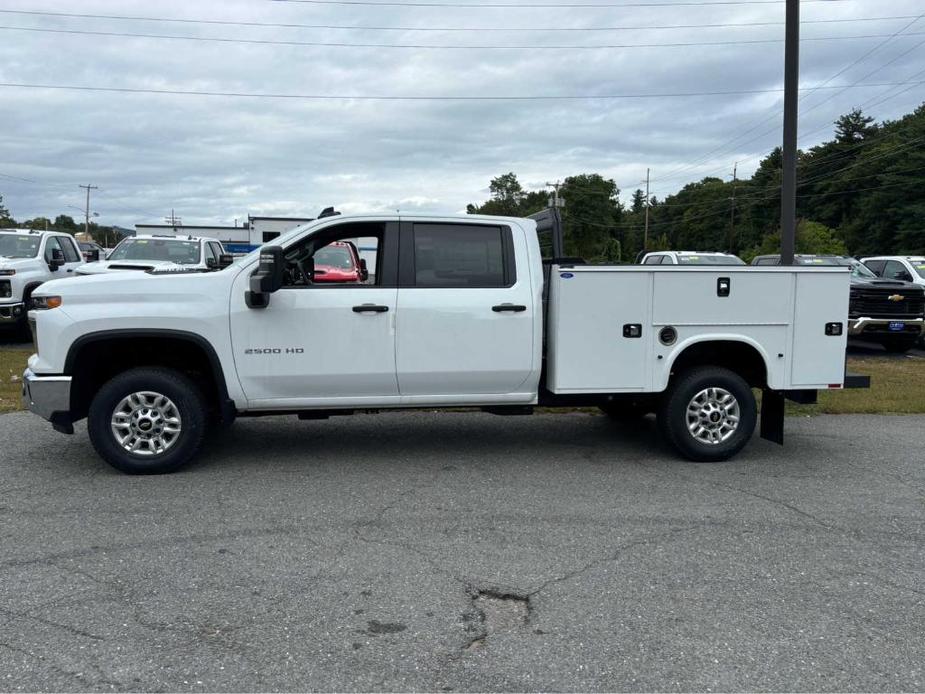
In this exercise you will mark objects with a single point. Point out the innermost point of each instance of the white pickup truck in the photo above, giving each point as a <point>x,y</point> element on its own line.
<point>463,312</point>
<point>29,257</point>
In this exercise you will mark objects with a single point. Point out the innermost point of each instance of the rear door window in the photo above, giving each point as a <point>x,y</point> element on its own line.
<point>463,256</point>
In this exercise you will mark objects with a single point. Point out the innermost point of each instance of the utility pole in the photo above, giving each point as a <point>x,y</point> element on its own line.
<point>555,200</point>
<point>788,196</point>
<point>88,188</point>
<point>645,237</point>
<point>732,212</point>
<point>173,220</point>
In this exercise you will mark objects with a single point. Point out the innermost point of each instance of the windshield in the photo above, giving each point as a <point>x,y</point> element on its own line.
<point>177,251</point>
<point>709,259</point>
<point>858,269</point>
<point>918,264</point>
<point>334,256</point>
<point>19,246</point>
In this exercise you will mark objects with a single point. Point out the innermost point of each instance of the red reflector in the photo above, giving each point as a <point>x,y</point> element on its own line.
<point>835,385</point>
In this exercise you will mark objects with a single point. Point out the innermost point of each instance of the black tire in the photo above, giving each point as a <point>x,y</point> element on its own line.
<point>899,346</point>
<point>185,397</point>
<point>673,413</point>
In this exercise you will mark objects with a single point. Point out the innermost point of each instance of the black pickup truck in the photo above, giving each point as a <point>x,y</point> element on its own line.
<point>889,312</point>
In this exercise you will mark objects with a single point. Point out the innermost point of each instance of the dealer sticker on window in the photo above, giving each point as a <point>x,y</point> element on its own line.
<point>897,326</point>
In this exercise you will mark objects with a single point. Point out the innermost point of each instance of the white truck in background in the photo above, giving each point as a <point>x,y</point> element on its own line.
<point>29,257</point>
<point>464,311</point>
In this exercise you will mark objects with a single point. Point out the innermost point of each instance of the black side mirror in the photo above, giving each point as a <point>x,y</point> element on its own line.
<point>268,278</point>
<point>212,263</point>
<point>224,260</point>
<point>364,271</point>
<point>57,259</point>
<point>93,256</point>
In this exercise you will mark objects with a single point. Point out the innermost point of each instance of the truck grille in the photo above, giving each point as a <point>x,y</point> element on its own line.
<point>876,303</point>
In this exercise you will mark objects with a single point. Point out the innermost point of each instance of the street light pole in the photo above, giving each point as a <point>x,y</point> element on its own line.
<point>788,193</point>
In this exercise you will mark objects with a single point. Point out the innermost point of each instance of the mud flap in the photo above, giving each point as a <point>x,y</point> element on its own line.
<point>772,416</point>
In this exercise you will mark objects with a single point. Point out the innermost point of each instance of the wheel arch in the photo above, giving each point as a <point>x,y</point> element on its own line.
<point>738,353</point>
<point>94,358</point>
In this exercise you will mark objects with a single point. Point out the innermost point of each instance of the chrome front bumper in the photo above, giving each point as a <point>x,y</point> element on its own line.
<point>860,326</point>
<point>12,313</point>
<point>49,397</point>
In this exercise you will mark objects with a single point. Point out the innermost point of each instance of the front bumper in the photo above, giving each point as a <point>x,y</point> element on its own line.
<point>12,313</point>
<point>50,398</point>
<point>881,326</point>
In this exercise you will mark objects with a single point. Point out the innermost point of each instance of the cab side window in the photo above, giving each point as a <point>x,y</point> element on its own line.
<point>71,253</point>
<point>52,244</point>
<point>876,266</point>
<point>653,260</point>
<point>211,260</point>
<point>895,270</point>
<point>463,256</point>
<point>347,256</point>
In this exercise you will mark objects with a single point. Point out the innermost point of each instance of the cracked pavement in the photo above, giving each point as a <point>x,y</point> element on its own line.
<point>452,552</point>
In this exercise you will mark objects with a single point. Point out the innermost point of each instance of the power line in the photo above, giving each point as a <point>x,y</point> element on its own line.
<point>418,46</point>
<point>393,97</point>
<point>864,56</point>
<point>525,6</point>
<point>292,25</point>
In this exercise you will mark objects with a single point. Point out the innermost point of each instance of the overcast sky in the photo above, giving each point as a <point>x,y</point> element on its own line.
<point>214,159</point>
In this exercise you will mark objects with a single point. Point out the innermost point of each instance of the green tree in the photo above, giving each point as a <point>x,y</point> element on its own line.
<point>6,221</point>
<point>592,214</point>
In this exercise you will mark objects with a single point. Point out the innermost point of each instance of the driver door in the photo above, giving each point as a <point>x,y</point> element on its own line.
<point>321,344</point>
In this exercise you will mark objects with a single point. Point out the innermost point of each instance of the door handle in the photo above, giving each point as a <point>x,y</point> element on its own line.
<point>512,308</point>
<point>370,308</point>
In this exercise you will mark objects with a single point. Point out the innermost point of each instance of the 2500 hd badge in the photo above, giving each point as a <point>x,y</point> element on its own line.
<point>275,350</point>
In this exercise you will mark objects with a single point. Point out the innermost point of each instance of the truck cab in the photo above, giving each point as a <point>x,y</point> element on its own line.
<point>29,257</point>
<point>690,258</point>
<point>459,311</point>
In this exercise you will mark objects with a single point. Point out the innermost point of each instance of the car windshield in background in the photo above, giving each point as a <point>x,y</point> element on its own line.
<point>707,259</point>
<point>19,246</point>
<point>164,250</point>
<point>334,256</point>
<point>858,269</point>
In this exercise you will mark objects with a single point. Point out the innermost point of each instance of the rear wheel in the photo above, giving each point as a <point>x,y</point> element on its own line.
<point>708,414</point>
<point>900,345</point>
<point>147,421</point>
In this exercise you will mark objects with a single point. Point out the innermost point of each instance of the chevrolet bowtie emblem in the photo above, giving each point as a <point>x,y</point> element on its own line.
<point>896,297</point>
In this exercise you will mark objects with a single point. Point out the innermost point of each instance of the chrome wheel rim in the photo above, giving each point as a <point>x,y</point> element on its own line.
<point>146,423</point>
<point>713,416</point>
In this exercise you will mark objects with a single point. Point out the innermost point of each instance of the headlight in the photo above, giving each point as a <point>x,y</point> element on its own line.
<point>43,303</point>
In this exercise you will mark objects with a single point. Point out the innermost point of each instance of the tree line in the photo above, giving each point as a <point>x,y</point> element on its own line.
<point>103,235</point>
<point>860,193</point>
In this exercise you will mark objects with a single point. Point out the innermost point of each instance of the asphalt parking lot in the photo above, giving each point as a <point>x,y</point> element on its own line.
<point>466,552</point>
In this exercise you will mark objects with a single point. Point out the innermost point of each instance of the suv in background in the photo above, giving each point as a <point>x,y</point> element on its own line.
<point>162,253</point>
<point>29,257</point>
<point>690,258</point>
<point>886,311</point>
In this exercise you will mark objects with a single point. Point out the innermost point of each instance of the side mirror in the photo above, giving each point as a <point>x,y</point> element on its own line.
<point>364,271</point>
<point>224,260</point>
<point>212,263</point>
<point>93,256</point>
<point>57,259</point>
<point>268,278</point>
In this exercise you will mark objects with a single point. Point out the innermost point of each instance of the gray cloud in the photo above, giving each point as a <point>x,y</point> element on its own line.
<point>214,159</point>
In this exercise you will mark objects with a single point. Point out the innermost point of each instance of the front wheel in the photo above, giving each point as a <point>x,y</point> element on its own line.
<point>708,414</point>
<point>147,421</point>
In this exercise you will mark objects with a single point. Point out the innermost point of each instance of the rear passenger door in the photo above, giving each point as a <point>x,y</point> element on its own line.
<point>465,317</point>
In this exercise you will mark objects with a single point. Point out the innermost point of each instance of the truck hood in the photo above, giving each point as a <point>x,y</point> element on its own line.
<point>19,263</point>
<point>108,288</point>
<point>899,285</point>
<point>103,266</point>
